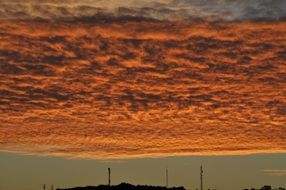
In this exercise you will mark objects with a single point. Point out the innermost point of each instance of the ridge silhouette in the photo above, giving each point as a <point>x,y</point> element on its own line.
<point>124,186</point>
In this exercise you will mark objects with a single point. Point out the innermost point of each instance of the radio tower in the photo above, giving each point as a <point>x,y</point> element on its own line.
<point>167,178</point>
<point>109,173</point>
<point>201,177</point>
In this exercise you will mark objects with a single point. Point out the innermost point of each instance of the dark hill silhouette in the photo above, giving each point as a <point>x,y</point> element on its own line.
<point>124,186</point>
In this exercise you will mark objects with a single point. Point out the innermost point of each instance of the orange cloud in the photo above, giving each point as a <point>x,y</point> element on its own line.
<point>143,88</point>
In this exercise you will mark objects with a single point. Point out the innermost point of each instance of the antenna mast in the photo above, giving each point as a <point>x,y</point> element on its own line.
<point>167,178</point>
<point>109,173</point>
<point>201,177</point>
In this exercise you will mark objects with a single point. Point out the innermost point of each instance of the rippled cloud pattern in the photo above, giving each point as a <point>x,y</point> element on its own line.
<point>110,85</point>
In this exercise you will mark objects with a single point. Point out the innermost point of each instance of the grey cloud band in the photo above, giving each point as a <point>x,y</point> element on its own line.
<point>156,9</point>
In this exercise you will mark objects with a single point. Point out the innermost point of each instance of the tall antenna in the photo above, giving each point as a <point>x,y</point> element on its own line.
<point>202,178</point>
<point>109,173</point>
<point>167,178</point>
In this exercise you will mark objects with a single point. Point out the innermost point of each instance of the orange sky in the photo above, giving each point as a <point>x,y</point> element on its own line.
<point>148,88</point>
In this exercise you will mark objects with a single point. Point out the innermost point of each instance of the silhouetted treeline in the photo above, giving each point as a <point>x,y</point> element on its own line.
<point>266,187</point>
<point>124,186</point>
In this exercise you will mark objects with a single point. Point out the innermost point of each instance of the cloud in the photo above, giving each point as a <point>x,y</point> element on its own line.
<point>274,172</point>
<point>241,9</point>
<point>156,9</point>
<point>136,89</point>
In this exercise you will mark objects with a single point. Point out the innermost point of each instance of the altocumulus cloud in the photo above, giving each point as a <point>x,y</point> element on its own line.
<point>122,79</point>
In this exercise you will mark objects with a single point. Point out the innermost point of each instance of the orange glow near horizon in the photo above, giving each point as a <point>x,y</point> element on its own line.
<point>142,89</point>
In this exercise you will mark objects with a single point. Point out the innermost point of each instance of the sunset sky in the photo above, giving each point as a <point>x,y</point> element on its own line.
<point>132,80</point>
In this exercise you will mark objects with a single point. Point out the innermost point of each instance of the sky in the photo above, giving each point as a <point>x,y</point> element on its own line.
<point>219,172</point>
<point>126,80</point>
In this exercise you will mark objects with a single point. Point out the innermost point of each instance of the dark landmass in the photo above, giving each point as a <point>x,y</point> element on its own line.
<point>266,187</point>
<point>124,186</point>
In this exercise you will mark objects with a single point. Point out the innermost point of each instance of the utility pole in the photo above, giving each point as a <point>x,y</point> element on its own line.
<point>109,173</point>
<point>52,187</point>
<point>201,177</point>
<point>44,186</point>
<point>167,178</point>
